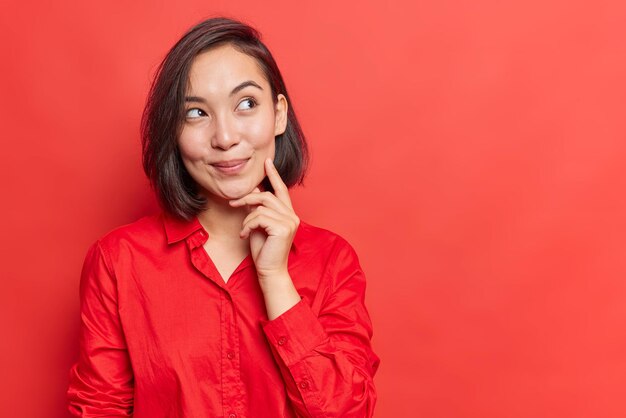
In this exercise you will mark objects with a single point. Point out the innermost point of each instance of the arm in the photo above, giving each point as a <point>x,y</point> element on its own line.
<point>101,381</point>
<point>326,360</point>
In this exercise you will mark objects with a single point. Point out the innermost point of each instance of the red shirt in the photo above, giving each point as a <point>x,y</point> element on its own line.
<point>162,334</point>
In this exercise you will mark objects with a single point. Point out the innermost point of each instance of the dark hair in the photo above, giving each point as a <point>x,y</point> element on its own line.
<point>164,114</point>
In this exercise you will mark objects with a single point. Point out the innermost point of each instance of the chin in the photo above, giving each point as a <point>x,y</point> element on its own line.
<point>232,193</point>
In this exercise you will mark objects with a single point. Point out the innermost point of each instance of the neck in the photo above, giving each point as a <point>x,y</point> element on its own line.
<point>221,220</point>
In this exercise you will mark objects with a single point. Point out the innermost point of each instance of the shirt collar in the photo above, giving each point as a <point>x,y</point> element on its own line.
<point>177,229</point>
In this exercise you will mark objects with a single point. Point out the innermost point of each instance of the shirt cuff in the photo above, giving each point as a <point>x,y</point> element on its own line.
<point>295,333</point>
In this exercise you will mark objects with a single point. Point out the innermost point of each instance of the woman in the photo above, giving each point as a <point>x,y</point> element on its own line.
<point>225,304</point>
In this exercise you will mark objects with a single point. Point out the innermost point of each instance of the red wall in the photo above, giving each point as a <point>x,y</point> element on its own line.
<point>472,151</point>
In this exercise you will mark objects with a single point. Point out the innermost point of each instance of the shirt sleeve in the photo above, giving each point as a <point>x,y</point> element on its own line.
<point>101,381</point>
<point>326,359</point>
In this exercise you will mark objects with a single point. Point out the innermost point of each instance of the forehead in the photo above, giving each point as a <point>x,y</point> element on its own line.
<point>220,69</point>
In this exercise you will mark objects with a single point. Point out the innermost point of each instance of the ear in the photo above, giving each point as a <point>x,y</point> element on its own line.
<point>280,123</point>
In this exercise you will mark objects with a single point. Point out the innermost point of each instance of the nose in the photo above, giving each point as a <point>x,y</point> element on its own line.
<point>225,134</point>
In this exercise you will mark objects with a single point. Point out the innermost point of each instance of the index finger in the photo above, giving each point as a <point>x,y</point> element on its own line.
<point>280,188</point>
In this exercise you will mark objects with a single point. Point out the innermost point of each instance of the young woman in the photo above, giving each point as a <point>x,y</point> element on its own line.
<point>225,304</point>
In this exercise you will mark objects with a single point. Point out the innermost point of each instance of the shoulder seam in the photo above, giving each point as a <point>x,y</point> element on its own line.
<point>107,260</point>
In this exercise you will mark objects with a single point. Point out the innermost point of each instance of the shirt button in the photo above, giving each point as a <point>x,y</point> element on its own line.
<point>304,384</point>
<point>232,416</point>
<point>230,355</point>
<point>282,340</point>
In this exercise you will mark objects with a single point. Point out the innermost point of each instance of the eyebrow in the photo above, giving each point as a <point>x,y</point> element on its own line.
<point>241,86</point>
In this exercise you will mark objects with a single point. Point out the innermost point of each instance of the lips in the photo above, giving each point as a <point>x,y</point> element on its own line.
<point>229,163</point>
<point>230,166</point>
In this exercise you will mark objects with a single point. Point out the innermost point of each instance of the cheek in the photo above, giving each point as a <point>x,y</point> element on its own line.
<point>190,145</point>
<point>261,131</point>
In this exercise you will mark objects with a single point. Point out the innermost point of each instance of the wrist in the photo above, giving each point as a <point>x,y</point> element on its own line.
<point>278,278</point>
<point>279,293</point>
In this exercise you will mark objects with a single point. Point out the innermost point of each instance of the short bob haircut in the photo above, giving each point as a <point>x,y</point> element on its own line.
<point>164,113</point>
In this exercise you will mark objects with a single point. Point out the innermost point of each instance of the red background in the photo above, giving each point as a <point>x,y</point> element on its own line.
<point>472,151</point>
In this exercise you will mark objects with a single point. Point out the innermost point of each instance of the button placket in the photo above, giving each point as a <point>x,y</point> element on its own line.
<point>233,401</point>
<point>232,385</point>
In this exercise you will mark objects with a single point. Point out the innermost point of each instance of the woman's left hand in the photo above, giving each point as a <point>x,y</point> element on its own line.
<point>271,226</point>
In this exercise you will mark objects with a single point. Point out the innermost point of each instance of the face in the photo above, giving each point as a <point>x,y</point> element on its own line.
<point>230,125</point>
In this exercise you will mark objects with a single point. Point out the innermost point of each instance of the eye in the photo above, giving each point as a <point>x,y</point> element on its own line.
<point>194,113</point>
<point>246,104</point>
